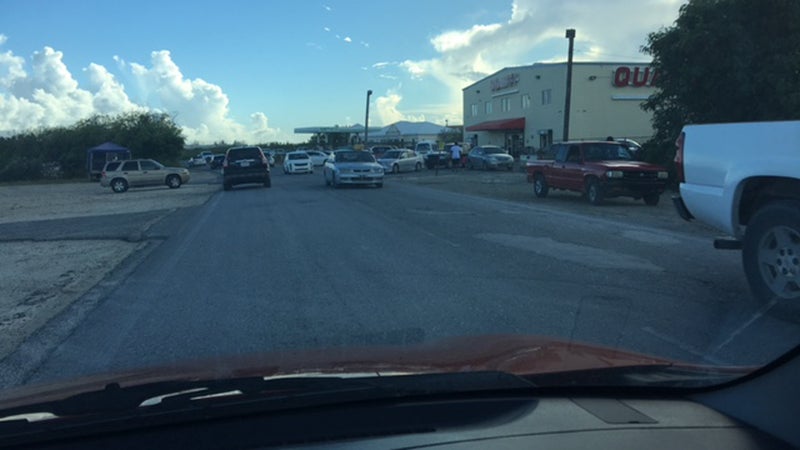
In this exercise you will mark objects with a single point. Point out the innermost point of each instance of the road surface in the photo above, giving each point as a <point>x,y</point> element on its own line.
<point>302,265</point>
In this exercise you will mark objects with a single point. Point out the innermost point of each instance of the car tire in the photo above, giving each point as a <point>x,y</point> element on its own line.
<point>226,186</point>
<point>417,167</point>
<point>334,183</point>
<point>395,168</point>
<point>540,187</point>
<point>268,182</point>
<point>469,165</point>
<point>119,185</point>
<point>652,199</point>
<point>771,252</point>
<point>173,181</point>
<point>594,191</point>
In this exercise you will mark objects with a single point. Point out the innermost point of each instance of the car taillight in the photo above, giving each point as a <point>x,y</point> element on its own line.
<point>679,156</point>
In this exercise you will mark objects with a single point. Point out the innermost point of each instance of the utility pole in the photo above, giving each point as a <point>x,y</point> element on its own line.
<point>568,99</point>
<point>366,121</point>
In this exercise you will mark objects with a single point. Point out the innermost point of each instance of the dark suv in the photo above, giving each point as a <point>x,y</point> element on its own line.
<point>245,165</point>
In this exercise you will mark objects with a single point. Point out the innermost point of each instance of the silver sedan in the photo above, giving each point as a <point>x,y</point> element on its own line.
<point>352,167</point>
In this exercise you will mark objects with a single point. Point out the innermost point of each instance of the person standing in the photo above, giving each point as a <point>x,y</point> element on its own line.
<point>455,155</point>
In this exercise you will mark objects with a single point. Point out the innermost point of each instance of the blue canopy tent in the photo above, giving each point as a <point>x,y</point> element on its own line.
<point>97,157</point>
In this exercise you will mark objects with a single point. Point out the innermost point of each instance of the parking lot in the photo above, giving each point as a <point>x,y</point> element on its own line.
<point>43,273</point>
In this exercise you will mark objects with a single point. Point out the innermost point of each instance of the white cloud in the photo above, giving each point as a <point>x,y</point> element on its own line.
<point>386,107</point>
<point>466,55</point>
<point>48,95</point>
<point>347,39</point>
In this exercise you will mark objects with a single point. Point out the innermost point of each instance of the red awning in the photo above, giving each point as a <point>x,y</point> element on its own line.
<point>499,125</point>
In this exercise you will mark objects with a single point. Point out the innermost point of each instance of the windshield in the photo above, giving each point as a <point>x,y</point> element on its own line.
<point>524,254</point>
<point>354,156</point>
<point>392,154</point>
<point>607,152</point>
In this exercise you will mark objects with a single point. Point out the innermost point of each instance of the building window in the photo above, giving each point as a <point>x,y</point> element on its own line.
<point>474,108</point>
<point>505,104</point>
<point>547,96</point>
<point>526,101</point>
<point>488,107</point>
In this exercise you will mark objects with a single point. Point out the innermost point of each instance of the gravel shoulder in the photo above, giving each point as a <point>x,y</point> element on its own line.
<point>42,274</point>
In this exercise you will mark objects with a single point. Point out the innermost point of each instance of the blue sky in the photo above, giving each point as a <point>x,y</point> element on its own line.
<point>254,70</point>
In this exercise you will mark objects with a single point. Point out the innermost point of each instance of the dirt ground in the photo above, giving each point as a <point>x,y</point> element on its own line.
<point>38,279</point>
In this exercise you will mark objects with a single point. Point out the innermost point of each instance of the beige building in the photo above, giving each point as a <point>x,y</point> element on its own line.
<point>523,107</point>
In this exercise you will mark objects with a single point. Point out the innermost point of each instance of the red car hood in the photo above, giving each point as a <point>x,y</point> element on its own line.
<point>627,165</point>
<point>520,355</point>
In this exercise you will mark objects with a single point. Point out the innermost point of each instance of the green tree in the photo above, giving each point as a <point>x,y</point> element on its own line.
<point>724,61</point>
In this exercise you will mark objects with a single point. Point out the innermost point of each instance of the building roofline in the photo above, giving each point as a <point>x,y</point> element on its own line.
<point>552,64</point>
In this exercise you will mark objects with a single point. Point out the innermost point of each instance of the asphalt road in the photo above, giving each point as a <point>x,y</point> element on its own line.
<point>302,265</point>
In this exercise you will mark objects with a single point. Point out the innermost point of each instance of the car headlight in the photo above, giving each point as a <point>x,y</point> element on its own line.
<point>663,175</point>
<point>614,174</point>
<point>377,170</point>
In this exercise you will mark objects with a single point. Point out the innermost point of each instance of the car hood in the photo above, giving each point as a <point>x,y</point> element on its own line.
<point>629,165</point>
<point>516,354</point>
<point>357,165</point>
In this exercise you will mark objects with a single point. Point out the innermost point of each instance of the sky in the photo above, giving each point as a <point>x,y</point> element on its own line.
<point>252,71</point>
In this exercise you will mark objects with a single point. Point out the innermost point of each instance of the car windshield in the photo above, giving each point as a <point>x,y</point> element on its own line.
<point>513,256</point>
<point>354,156</point>
<point>607,152</point>
<point>244,153</point>
<point>392,154</point>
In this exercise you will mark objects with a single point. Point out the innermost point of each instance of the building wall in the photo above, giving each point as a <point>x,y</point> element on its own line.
<point>606,101</point>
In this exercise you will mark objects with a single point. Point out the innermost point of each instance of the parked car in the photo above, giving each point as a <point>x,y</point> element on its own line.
<point>298,162</point>
<point>599,170</point>
<point>318,157</point>
<point>245,165</point>
<point>216,161</point>
<point>378,150</point>
<point>489,157</point>
<point>197,160</point>
<point>401,160</point>
<point>124,174</point>
<point>348,166</point>
<point>425,147</point>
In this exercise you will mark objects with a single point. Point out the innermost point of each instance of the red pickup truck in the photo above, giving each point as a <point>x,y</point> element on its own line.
<point>599,170</point>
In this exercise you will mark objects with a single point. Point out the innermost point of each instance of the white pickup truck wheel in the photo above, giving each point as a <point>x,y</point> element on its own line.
<point>771,252</point>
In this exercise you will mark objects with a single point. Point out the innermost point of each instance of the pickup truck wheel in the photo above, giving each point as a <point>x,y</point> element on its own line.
<point>771,252</point>
<point>594,192</point>
<point>652,199</point>
<point>540,187</point>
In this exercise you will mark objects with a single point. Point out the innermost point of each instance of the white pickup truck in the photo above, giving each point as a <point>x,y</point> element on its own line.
<point>744,179</point>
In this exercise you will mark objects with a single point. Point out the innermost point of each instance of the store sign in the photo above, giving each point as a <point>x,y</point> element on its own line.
<point>506,82</point>
<point>626,76</point>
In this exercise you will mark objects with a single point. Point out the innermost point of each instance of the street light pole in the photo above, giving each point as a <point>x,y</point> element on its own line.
<point>567,101</point>
<point>366,120</point>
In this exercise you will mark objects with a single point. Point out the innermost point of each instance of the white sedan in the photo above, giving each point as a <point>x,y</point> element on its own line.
<point>318,157</point>
<point>297,162</point>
